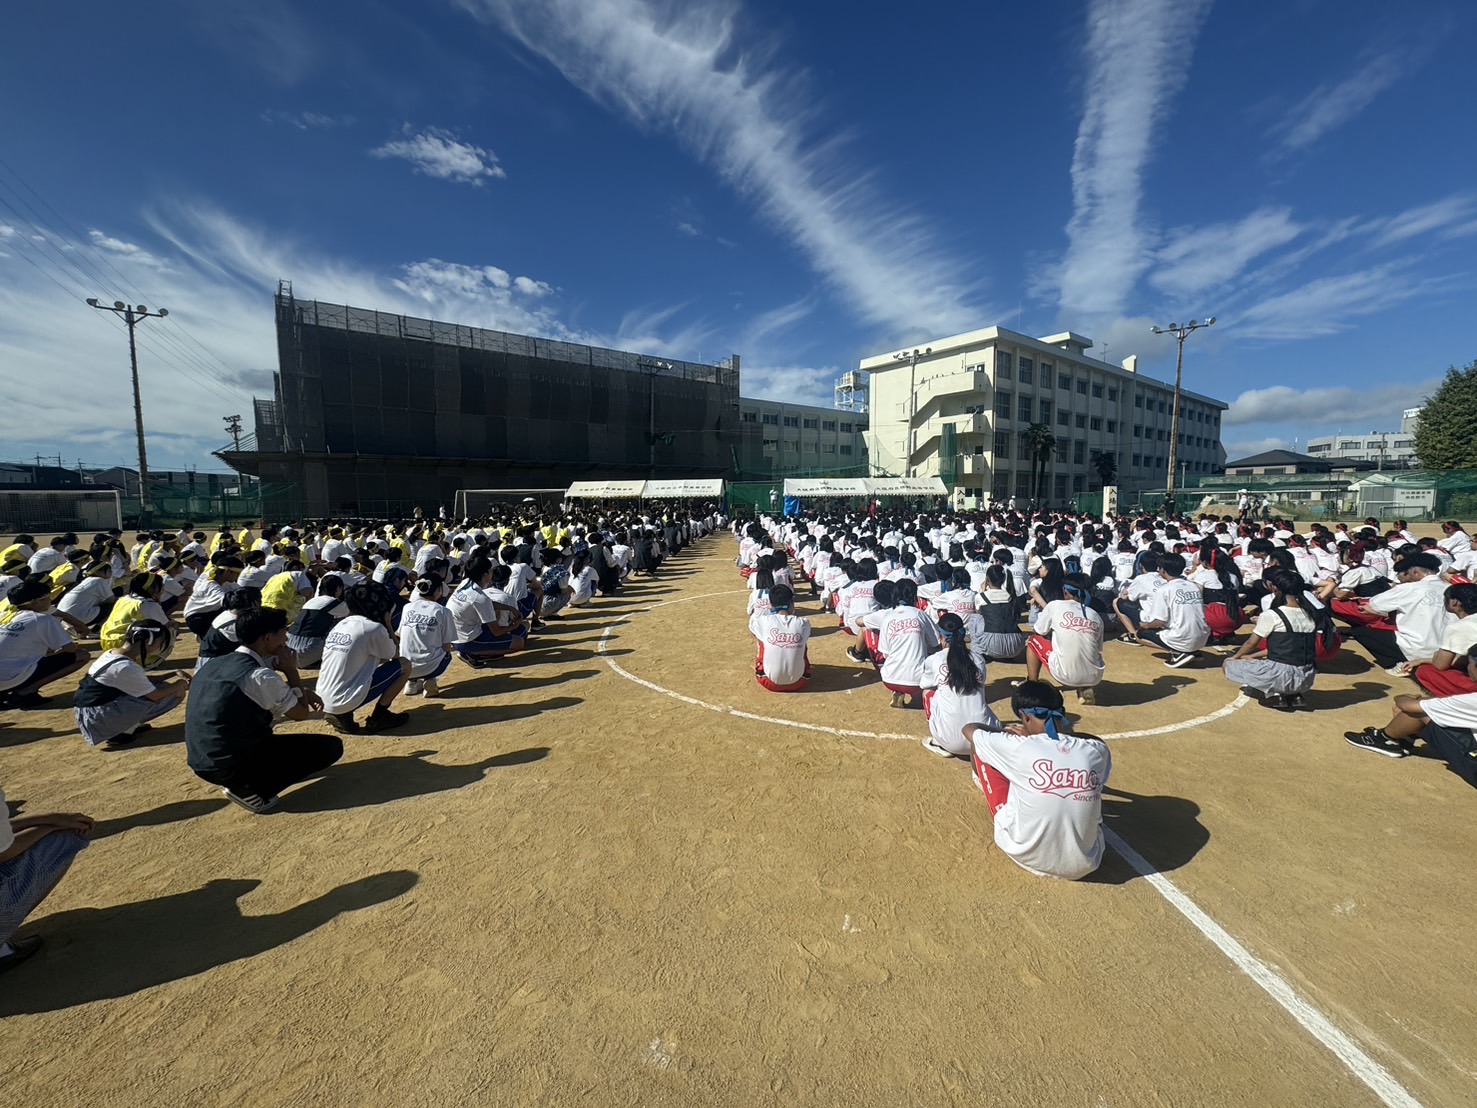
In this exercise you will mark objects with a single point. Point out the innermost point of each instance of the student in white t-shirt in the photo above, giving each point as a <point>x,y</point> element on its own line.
<point>1173,615</point>
<point>1278,660</point>
<point>1417,606</point>
<point>35,647</point>
<point>782,662</point>
<point>86,606</point>
<point>360,664</point>
<point>905,637</point>
<point>1044,786</point>
<point>483,629</point>
<point>117,699</point>
<point>953,684</point>
<point>1069,641</point>
<point>427,635</point>
<point>1448,724</point>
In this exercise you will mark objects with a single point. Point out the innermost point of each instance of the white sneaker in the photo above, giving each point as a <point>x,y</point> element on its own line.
<point>415,686</point>
<point>431,689</point>
<point>1397,671</point>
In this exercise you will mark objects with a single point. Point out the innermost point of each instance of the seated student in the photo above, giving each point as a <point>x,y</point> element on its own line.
<point>361,664</point>
<point>1068,641</point>
<point>288,590</point>
<point>555,584</point>
<point>483,630</point>
<point>905,637</point>
<point>221,639</point>
<point>1358,580</point>
<point>256,574</point>
<point>1408,620</point>
<point>85,607</point>
<point>760,584</point>
<point>884,597</point>
<point>950,593</point>
<point>427,634</point>
<point>1130,605</point>
<point>523,585</point>
<point>19,551</point>
<point>140,602</point>
<point>316,619</point>
<point>857,598</point>
<point>1444,673</point>
<point>208,598</point>
<point>1173,616</point>
<point>1220,588</point>
<point>117,699</point>
<point>1446,723</point>
<point>1044,786</point>
<point>232,705</point>
<point>1278,659</point>
<point>174,585</point>
<point>1048,584</point>
<point>1000,639</point>
<point>782,663</point>
<point>582,580</point>
<point>49,557</point>
<point>35,854</point>
<point>953,685</point>
<point>35,647</point>
<point>1455,543</point>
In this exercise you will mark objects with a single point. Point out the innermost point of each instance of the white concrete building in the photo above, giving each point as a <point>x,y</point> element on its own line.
<point>990,385</point>
<point>1387,449</point>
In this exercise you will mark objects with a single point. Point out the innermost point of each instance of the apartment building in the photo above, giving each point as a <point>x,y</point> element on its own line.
<point>778,438</point>
<point>960,407</point>
<point>1387,449</point>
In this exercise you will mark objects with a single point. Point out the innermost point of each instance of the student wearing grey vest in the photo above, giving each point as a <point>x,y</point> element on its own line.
<point>233,703</point>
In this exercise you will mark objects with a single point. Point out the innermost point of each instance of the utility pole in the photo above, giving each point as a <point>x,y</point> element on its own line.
<point>233,428</point>
<point>133,316</point>
<point>653,367</point>
<point>911,357</point>
<point>1181,332</point>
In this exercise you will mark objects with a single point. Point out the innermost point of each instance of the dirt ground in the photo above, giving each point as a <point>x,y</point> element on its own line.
<point>560,886</point>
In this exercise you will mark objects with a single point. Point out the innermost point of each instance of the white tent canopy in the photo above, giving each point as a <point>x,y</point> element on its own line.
<point>864,486</point>
<point>605,490</point>
<point>697,486</point>
<point>906,486</point>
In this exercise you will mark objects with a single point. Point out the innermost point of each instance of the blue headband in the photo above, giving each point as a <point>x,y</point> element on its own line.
<point>1050,715</point>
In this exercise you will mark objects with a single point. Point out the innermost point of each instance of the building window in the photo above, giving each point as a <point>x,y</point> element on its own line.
<point>1112,426</point>
<point>1079,484</point>
<point>1097,391</point>
<point>810,424</point>
<point>1160,433</point>
<point>1095,424</point>
<point>792,448</point>
<point>1082,386</point>
<point>1002,404</point>
<point>1138,430</point>
<point>1002,444</point>
<point>1046,411</point>
<point>846,427</point>
<point>792,421</point>
<point>1138,401</point>
<point>828,425</point>
<point>828,448</point>
<point>771,419</point>
<point>1081,422</point>
<point>1047,369</point>
<point>749,417</point>
<point>810,448</point>
<point>846,448</point>
<point>1113,395</point>
<point>1138,460</point>
<point>1025,370</point>
<point>999,485</point>
<point>1079,452</point>
<point>1161,407</point>
<point>1002,362</point>
<point>1024,411</point>
<point>1064,419</point>
<point>1064,381</point>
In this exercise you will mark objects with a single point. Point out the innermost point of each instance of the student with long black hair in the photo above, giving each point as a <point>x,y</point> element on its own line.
<point>1001,638</point>
<point>1278,660</point>
<point>953,692</point>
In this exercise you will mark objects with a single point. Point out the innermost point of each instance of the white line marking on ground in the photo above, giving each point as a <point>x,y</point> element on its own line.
<point>1360,1064</point>
<point>1241,701</point>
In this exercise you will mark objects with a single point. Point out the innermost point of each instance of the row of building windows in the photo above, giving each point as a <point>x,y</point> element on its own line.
<point>772,446</point>
<point>809,423</point>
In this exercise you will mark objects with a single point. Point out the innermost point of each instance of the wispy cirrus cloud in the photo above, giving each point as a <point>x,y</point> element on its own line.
<point>682,69</point>
<point>1380,405</point>
<point>1194,259</point>
<point>307,121</point>
<point>1328,305</point>
<point>1138,55</point>
<point>438,153</point>
<point>1455,215</point>
<point>1334,103</point>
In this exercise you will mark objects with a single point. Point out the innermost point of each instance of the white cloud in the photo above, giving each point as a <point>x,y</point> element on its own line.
<point>1333,104</point>
<point>307,121</point>
<point>1247,447</point>
<point>1138,55</point>
<point>1453,214</point>
<point>688,229</point>
<point>6,230</point>
<point>1379,406</point>
<point>1327,305</point>
<point>682,69</point>
<point>527,286</point>
<point>796,384</point>
<point>1194,259</point>
<point>438,153</point>
<point>132,251</point>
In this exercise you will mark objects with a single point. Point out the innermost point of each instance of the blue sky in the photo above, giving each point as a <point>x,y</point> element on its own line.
<point>804,184</point>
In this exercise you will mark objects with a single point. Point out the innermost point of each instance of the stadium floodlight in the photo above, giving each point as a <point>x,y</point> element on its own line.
<point>119,305</point>
<point>92,302</point>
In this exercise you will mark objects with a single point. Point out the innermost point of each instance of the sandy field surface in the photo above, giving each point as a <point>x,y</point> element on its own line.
<point>616,872</point>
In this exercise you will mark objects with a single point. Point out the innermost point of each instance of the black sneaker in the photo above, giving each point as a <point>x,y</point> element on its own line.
<point>343,723</point>
<point>1377,743</point>
<point>1295,701</point>
<point>1274,700</point>
<point>856,655</point>
<point>382,719</point>
<point>20,950</point>
<point>1183,658</point>
<point>26,702</point>
<point>256,805</point>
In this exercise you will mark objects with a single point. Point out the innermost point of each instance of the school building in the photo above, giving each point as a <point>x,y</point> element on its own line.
<point>961,407</point>
<point>780,439</point>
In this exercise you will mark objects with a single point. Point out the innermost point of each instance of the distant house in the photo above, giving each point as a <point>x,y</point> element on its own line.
<point>1287,462</point>
<point>178,482</point>
<point>22,475</point>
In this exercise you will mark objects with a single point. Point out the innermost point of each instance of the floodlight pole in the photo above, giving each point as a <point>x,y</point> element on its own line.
<point>1181,331</point>
<point>133,316</point>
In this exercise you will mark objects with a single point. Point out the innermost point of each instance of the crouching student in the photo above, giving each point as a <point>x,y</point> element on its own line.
<point>953,692</point>
<point>1044,786</point>
<point>361,664</point>
<point>905,637</point>
<point>1068,641</point>
<point>484,629</point>
<point>783,660</point>
<point>35,648</point>
<point>1446,723</point>
<point>427,634</point>
<point>221,639</point>
<point>87,606</point>
<point>141,602</point>
<point>117,699</point>
<point>232,706</point>
<point>1278,660</point>
<point>35,854</point>
<point>316,620</point>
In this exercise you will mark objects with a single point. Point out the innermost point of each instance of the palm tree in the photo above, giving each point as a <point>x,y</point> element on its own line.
<point>1106,465</point>
<point>1041,445</point>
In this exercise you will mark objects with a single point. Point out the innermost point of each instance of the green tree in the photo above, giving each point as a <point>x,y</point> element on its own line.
<point>1446,437</point>
<point>1041,445</point>
<point>1106,465</point>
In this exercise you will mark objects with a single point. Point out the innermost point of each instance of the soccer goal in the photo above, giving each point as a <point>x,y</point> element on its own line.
<point>35,511</point>
<point>481,503</point>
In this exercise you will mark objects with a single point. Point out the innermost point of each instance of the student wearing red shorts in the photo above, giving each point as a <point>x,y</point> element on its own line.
<point>783,660</point>
<point>1444,673</point>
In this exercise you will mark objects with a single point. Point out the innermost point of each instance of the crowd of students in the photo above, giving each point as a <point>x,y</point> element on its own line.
<point>334,621</point>
<point>933,601</point>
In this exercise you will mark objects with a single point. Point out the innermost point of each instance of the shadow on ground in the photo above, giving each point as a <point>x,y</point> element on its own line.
<point>396,777</point>
<point>104,953</point>
<point>176,812</point>
<point>1166,830</point>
